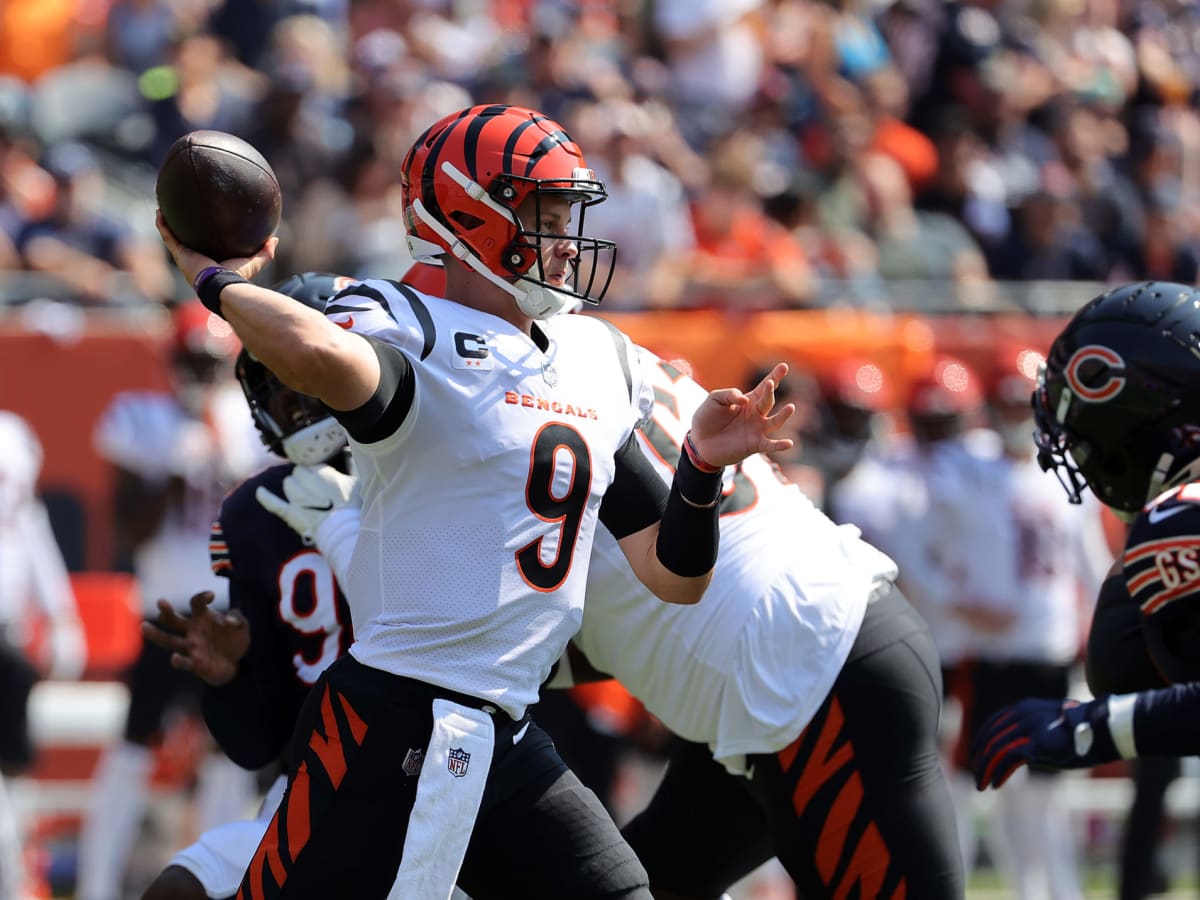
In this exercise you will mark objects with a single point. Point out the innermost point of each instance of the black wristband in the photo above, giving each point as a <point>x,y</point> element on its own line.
<point>210,288</point>
<point>688,534</point>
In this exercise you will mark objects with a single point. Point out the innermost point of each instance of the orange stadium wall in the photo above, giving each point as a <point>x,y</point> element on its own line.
<point>63,387</point>
<point>727,349</point>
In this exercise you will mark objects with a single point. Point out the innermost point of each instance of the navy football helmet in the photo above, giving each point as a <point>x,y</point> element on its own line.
<point>1117,404</point>
<point>293,425</point>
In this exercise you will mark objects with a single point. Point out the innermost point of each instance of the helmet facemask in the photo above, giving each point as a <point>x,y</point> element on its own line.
<point>521,262</point>
<point>476,186</point>
<point>592,265</point>
<point>1128,470</point>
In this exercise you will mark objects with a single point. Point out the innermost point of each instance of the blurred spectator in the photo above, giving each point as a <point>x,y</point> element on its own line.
<point>651,262</point>
<point>1085,138</point>
<point>716,59</point>
<point>1048,240</point>
<point>198,89</point>
<point>139,33</point>
<point>77,242</point>
<point>886,97</point>
<point>915,243</point>
<point>37,36</point>
<point>26,190</point>
<point>964,185</point>
<point>299,125</point>
<point>844,257</point>
<point>245,27</point>
<point>1164,251</point>
<point>743,259</point>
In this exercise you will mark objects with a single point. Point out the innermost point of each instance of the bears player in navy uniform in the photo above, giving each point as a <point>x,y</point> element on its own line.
<point>1118,412</point>
<point>287,618</point>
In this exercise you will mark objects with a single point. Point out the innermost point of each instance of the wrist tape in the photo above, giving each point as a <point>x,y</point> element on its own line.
<point>209,284</point>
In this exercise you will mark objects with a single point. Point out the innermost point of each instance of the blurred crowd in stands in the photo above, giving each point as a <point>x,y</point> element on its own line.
<point>757,153</point>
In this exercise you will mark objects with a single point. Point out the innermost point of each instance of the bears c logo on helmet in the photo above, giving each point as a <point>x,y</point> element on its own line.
<point>1104,374</point>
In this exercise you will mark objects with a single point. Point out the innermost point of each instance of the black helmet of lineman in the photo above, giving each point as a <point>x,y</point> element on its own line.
<point>291,424</point>
<point>1117,403</point>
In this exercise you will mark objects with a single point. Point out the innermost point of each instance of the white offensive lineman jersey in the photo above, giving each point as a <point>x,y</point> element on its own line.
<point>32,571</point>
<point>745,669</point>
<point>149,434</point>
<point>1061,556</point>
<point>478,513</point>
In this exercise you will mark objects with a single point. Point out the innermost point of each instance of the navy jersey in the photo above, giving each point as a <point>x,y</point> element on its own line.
<point>1162,574</point>
<point>299,623</point>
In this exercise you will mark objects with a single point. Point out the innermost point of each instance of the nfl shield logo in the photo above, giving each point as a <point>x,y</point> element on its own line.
<point>550,374</point>
<point>412,762</point>
<point>457,762</point>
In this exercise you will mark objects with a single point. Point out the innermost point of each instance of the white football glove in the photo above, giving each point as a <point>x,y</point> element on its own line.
<point>311,494</point>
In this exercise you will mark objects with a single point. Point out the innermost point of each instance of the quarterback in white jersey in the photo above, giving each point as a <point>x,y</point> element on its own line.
<point>490,439</point>
<point>800,639</point>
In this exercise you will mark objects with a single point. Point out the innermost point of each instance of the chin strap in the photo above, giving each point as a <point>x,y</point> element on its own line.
<point>538,301</point>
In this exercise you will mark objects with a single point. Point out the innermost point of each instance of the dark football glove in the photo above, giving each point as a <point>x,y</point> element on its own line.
<point>1043,734</point>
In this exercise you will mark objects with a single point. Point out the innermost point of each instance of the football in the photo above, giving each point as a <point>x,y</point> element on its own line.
<point>218,195</point>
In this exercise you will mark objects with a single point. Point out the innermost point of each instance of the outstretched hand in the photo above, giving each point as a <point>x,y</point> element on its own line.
<point>1046,734</point>
<point>191,262</point>
<point>731,425</point>
<point>206,642</point>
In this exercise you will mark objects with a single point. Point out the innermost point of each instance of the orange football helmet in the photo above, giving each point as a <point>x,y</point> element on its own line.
<point>463,182</point>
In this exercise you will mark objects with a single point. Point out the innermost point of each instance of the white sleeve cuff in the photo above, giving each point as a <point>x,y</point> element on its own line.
<point>1120,724</point>
<point>335,537</point>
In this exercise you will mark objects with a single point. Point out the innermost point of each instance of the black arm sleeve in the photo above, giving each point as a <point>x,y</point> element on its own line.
<point>637,497</point>
<point>385,412</point>
<point>1166,722</point>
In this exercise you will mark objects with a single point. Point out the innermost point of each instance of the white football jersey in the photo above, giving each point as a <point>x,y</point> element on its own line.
<point>32,571</point>
<point>746,668</point>
<point>936,510</point>
<point>1061,557</point>
<point>478,513</point>
<point>149,434</point>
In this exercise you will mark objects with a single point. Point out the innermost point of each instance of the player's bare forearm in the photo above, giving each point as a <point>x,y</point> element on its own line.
<point>304,349</point>
<point>641,550</point>
<point>308,352</point>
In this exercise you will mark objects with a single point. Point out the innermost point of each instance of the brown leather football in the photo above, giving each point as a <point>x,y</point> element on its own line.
<point>218,195</point>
